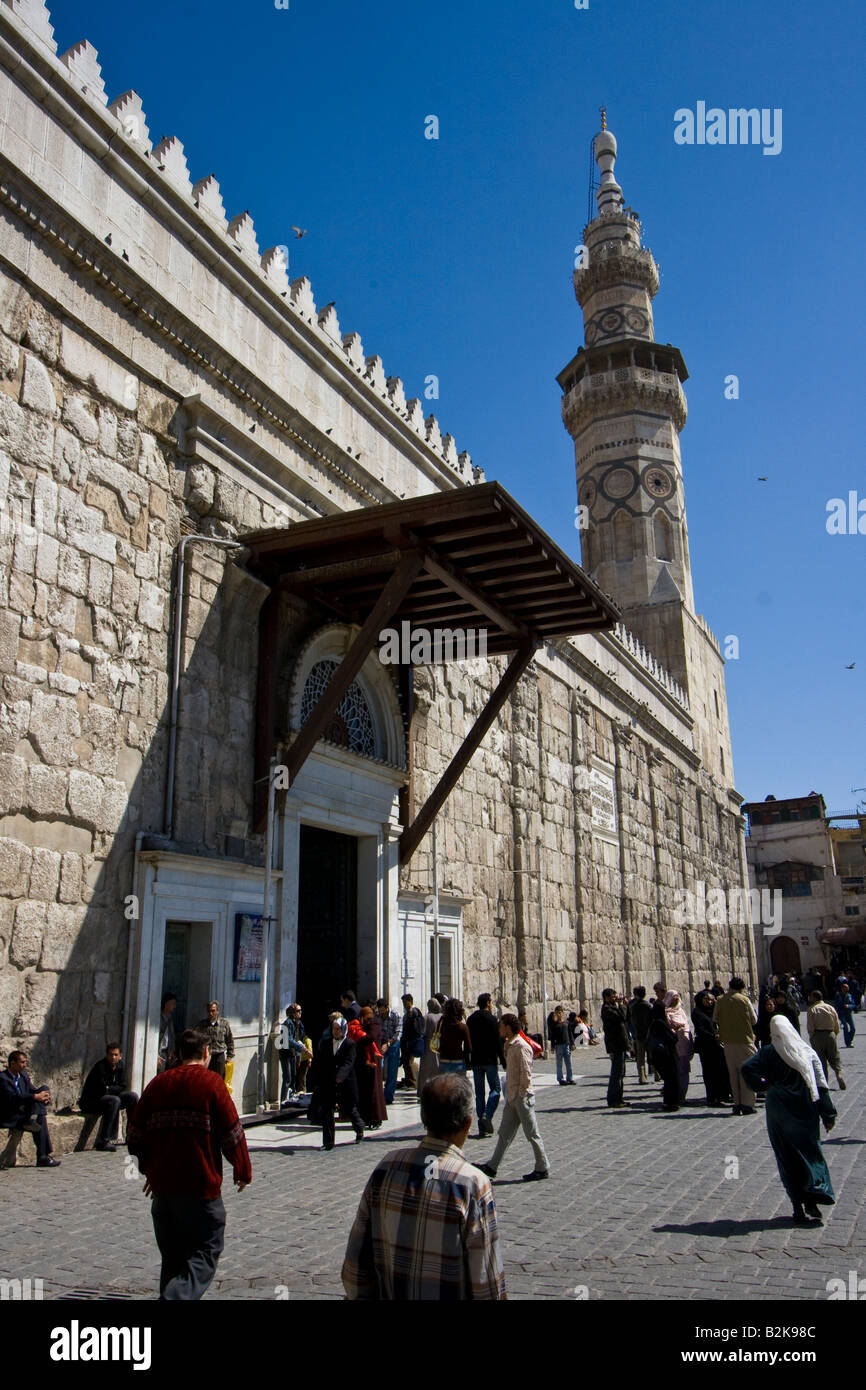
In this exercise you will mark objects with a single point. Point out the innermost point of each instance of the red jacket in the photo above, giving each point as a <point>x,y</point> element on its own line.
<point>180,1128</point>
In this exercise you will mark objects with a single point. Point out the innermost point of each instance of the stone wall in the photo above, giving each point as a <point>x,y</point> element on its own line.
<point>607,907</point>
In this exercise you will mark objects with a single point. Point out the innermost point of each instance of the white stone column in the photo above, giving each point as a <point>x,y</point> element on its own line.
<point>286,957</point>
<point>390,968</point>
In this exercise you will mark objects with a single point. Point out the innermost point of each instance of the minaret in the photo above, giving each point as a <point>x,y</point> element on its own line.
<point>624,407</point>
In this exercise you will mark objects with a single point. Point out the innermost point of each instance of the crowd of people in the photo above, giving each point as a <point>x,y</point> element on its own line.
<point>426,1227</point>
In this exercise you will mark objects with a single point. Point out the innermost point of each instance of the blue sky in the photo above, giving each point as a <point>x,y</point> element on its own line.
<point>454,257</point>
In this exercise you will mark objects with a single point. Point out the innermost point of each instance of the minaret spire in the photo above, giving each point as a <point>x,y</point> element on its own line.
<point>624,407</point>
<point>609,193</point>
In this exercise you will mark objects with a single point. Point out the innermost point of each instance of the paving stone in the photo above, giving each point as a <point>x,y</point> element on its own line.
<point>608,1219</point>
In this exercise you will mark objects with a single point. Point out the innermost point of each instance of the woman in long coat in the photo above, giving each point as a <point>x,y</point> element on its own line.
<point>334,1082</point>
<point>713,1065</point>
<point>797,1098</point>
<point>428,1067</point>
<point>662,1049</point>
<point>367,1034</point>
<point>679,1022</point>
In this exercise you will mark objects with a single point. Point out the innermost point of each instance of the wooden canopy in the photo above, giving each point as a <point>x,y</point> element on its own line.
<point>469,559</point>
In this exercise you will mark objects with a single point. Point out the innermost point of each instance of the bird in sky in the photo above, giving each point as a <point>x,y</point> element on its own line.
<point>763,480</point>
<point>851,667</point>
<point>299,232</point>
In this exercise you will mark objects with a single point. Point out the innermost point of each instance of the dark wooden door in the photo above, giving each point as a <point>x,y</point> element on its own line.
<point>785,956</point>
<point>327,923</point>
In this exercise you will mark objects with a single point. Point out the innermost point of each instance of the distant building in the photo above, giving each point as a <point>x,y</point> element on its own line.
<point>819,867</point>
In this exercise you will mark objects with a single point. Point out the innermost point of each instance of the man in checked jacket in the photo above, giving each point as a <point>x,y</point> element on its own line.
<point>426,1224</point>
<point>181,1127</point>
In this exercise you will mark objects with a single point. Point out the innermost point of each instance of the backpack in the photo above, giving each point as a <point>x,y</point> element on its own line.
<point>414,1025</point>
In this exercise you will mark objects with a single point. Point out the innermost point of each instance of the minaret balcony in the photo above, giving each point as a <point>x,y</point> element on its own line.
<point>616,262</point>
<point>623,389</point>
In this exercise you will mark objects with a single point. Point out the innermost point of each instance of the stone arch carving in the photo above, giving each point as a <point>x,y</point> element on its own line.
<point>369,720</point>
<point>623,536</point>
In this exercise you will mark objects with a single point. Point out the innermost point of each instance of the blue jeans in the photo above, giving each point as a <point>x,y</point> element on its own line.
<point>563,1055</point>
<point>490,1075</point>
<point>391,1068</point>
<point>452,1066</point>
<point>848,1029</point>
<point>617,1073</point>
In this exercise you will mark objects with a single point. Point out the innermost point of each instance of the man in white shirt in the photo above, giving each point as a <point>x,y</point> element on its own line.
<point>519,1103</point>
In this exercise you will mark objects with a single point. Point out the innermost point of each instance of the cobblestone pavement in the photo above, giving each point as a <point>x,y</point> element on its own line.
<point>638,1206</point>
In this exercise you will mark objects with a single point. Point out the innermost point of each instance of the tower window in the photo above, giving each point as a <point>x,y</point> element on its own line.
<point>716,698</point>
<point>662,531</point>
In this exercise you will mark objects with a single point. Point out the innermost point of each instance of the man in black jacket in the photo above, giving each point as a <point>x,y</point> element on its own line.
<point>487,1057</point>
<point>613,1021</point>
<point>22,1106</point>
<point>104,1093</point>
<point>639,1015</point>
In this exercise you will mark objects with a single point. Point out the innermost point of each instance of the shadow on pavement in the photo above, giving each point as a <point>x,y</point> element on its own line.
<point>724,1228</point>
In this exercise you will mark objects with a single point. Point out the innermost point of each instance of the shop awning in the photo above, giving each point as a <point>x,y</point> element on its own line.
<point>467,559</point>
<point>844,936</point>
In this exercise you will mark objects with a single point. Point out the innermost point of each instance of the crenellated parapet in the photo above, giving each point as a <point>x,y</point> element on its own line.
<point>645,658</point>
<point>708,632</point>
<point>79,66</point>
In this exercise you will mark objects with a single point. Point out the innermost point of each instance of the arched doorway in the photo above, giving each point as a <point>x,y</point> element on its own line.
<point>340,833</point>
<point>785,956</point>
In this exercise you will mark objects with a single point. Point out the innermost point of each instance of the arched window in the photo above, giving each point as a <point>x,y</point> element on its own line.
<point>351,724</point>
<point>662,532</point>
<point>623,538</point>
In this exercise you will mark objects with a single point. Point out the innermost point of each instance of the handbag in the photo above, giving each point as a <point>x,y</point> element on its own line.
<point>436,1041</point>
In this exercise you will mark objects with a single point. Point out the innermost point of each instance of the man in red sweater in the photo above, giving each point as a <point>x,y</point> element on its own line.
<point>179,1129</point>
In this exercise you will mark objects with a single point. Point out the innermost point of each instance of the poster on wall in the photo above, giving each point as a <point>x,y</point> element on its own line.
<point>248,948</point>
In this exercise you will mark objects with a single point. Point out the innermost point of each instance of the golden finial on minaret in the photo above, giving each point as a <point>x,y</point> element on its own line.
<point>603,110</point>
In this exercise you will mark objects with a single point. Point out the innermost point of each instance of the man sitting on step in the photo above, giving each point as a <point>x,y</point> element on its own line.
<point>22,1106</point>
<point>104,1094</point>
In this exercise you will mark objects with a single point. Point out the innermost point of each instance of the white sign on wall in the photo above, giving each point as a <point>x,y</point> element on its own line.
<point>603,800</point>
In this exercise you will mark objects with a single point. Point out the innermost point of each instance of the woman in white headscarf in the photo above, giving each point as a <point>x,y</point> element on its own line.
<point>797,1098</point>
<point>679,1020</point>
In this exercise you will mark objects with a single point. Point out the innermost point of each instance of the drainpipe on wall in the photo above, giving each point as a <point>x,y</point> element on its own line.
<point>130,945</point>
<point>266,940</point>
<point>435,906</point>
<point>545,1054</point>
<point>168,816</point>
